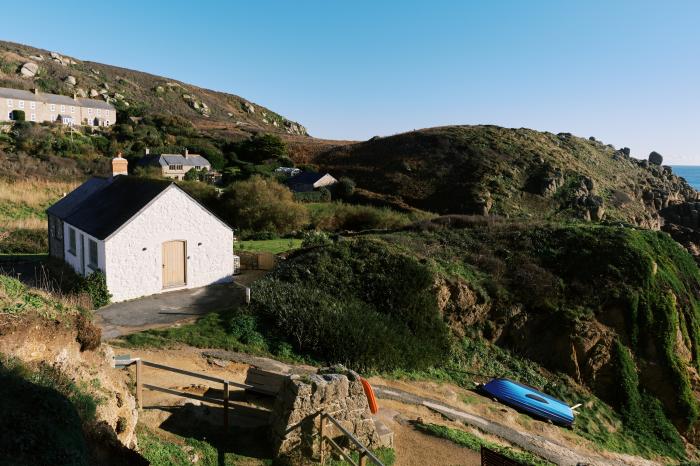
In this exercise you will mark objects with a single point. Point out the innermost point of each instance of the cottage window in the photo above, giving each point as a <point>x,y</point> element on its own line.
<point>106,122</point>
<point>33,117</point>
<point>32,105</point>
<point>10,115</point>
<point>53,107</point>
<point>89,111</point>
<point>99,112</point>
<point>63,109</point>
<point>72,109</point>
<point>9,103</point>
<point>71,241</point>
<point>92,259</point>
<point>21,103</point>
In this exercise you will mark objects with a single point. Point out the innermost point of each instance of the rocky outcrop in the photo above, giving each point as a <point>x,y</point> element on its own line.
<point>336,391</point>
<point>70,81</point>
<point>29,70</point>
<point>656,158</point>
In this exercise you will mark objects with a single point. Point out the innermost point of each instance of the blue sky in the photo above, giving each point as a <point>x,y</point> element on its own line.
<point>624,71</point>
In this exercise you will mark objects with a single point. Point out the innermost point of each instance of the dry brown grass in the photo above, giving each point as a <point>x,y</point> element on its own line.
<point>25,224</point>
<point>34,192</point>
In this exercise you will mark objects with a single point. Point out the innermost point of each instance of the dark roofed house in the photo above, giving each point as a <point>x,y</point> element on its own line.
<point>147,236</point>
<point>308,181</point>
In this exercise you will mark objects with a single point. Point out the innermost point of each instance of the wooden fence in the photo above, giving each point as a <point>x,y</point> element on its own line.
<point>226,385</point>
<point>324,429</point>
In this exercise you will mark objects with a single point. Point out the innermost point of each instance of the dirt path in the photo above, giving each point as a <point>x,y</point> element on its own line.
<point>400,401</point>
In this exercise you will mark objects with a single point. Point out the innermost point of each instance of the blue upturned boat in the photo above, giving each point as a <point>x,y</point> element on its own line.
<point>529,400</point>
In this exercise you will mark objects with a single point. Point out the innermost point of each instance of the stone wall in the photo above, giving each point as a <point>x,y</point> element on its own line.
<point>295,420</point>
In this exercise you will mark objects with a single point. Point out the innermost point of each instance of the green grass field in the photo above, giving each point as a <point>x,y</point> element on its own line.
<point>275,246</point>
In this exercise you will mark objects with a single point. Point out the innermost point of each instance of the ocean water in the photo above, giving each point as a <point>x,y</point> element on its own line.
<point>691,173</point>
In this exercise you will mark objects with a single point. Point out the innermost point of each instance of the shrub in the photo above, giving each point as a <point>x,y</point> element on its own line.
<point>315,238</point>
<point>366,306</point>
<point>261,204</point>
<point>18,115</point>
<point>344,188</point>
<point>89,335</point>
<point>95,285</point>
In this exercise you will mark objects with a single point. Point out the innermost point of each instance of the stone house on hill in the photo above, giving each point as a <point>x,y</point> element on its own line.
<point>176,165</point>
<point>41,107</point>
<point>147,236</point>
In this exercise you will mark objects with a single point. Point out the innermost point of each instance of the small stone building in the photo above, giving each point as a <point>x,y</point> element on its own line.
<point>336,391</point>
<point>176,165</point>
<point>147,236</point>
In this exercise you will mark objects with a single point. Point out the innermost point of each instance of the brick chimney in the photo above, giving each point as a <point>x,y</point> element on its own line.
<point>119,165</point>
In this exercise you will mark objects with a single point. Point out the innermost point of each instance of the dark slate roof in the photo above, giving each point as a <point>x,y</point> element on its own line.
<point>72,200</point>
<point>192,160</point>
<point>102,213</point>
<point>306,178</point>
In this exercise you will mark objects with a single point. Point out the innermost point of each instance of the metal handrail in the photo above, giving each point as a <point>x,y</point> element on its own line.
<point>364,451</point>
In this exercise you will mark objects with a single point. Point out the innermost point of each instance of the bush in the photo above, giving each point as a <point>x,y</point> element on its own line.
<point>18,115</point>
<point>315,238</point>
<point>356,303</point>
<point>261,204</point>
<point>95,285</point>
<point>344,188</point>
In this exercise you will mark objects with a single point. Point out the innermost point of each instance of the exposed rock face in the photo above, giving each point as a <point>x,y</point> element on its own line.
<point>70,81</point>
<point>94,93</point>
<point>656,158</point>
<point>336,391</point>
<point>249,107</point>
<point>29,70</point>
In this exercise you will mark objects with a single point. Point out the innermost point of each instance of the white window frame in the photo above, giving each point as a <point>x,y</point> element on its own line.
<point>10,103</point>
<point>33,117</point>
<point>9,115</point>
<point>89,111</point>
<point>32,105</point>
<point>99,112</point>
<point>106,122</point>
<point>63,109</point>
<point>52,107</point>
<point>72,109</point>
<point>20,103</point>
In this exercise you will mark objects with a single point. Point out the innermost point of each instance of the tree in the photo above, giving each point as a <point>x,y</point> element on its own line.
<point>262,204</point>
<point>260,148</point>
<point>18,115</point>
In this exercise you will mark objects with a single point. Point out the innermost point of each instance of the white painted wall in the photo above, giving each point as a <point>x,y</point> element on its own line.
<point>134,265</point>
<point>82,249</point>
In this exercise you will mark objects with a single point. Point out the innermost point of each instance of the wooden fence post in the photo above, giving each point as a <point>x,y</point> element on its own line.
<point>226,397</point>
<point>363,459</point>
<point>139,384</point>
<point>321,439</point>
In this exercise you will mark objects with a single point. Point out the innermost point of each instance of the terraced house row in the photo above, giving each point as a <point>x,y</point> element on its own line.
<point>42,107</point>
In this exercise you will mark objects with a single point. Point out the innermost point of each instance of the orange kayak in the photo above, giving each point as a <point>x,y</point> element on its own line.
<point>371,399</point>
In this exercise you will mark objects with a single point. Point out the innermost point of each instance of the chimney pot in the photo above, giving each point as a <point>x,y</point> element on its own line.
<point>187,153</point>
<point>120,166</point>
<point>148,151</point>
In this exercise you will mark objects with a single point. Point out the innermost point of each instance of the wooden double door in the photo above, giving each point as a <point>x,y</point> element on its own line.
<point>174,264</point>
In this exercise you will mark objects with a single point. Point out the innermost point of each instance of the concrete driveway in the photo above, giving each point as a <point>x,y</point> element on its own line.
<point>165,309</point>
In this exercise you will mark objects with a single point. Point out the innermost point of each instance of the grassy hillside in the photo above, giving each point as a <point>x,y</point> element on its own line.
<point>142,93</point>
<point>613,308</point>
<point>511,172</point>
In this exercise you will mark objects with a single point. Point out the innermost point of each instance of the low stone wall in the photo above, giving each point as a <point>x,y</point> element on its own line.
<point>296,421</point>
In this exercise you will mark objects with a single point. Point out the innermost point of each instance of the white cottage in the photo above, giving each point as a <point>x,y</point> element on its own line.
<point>147,236</point>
